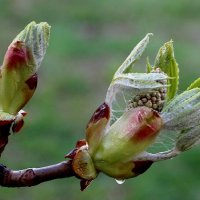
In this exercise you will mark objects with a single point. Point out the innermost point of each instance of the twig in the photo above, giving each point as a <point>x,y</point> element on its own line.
<point>34,176</point>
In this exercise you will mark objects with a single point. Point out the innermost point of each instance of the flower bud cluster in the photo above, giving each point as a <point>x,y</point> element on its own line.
<point>154,99</point>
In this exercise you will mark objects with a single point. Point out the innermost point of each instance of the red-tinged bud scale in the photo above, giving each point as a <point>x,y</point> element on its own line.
<point>17,126</point>
<point>79,144</point>
<point>19,121</point>
<point>150,125</point>
<point>83,166</point>
<point>32,82</point>
<point>16,55</point>
<point>97,126</point>
<point>102,111</point>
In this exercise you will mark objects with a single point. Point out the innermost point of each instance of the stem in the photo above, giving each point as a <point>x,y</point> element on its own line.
<point>34,176</point>
<point>158,156</point>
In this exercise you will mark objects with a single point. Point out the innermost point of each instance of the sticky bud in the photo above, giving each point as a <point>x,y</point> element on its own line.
<point>18,79</point>
<point>130,135</point>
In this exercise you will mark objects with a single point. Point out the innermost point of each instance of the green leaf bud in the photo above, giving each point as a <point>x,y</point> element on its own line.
<point>18,79</point>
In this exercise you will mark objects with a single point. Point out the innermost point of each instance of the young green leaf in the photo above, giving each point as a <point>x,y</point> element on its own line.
<point>133,56</point>
<point>166,61</point>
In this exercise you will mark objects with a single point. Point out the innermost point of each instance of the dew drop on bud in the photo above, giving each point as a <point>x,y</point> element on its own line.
<point>120,181</point>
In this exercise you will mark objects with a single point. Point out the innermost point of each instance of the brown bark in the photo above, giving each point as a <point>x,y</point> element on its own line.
<point>34,176</point>
<point>31,176</point>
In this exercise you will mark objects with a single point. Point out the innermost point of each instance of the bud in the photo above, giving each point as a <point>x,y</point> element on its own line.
<point>19,70</point>
<point>123,77</point>
<point>82,164</point>
<point>154,99</point>
<point>130,135</point>
<point>137,107</point>
<point>97,126</point>
<point>183,112</point>
<point>140,89</point>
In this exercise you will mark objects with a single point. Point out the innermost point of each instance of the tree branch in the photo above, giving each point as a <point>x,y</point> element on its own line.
<point>34,176</point>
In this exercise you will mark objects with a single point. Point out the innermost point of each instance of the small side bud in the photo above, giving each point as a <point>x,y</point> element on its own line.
<point>82,165</point>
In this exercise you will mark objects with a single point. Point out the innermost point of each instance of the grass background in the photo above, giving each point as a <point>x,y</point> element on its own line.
<point>89,40</point>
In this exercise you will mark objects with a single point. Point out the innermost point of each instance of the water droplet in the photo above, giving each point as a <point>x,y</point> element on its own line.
<point>120,181</point>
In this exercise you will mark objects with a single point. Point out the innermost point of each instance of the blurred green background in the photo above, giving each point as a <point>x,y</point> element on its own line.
<point>89,40</point>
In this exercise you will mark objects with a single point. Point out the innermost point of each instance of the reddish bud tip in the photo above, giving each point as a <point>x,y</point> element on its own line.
<point>103,111</point>
<point>16,55</point>
<point>81,143</point>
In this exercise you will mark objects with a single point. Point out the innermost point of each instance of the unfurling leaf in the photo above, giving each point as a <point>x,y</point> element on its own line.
<point>166,61</point>
<point>133,56</point>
